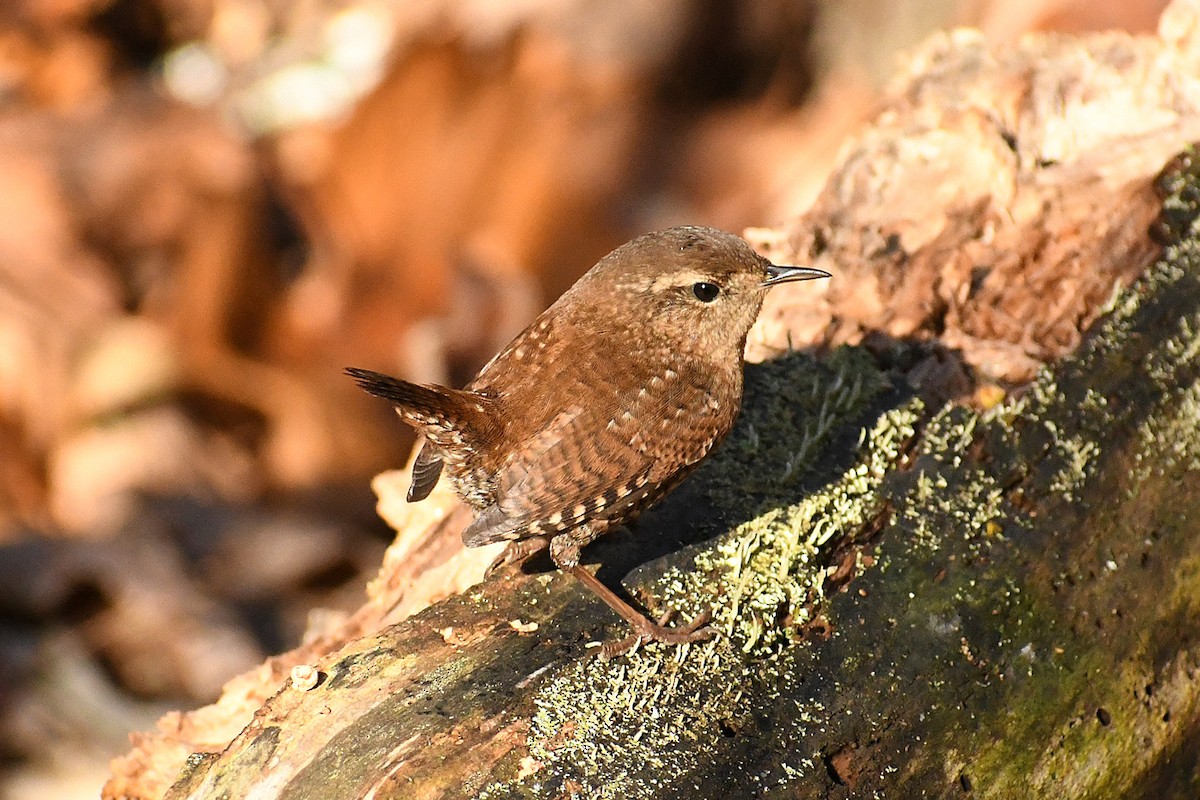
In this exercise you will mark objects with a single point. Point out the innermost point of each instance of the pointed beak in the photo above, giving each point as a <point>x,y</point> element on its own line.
<point>779,275</point>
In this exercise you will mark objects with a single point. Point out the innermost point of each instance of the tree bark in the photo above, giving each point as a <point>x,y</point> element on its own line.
<point>915,599</point>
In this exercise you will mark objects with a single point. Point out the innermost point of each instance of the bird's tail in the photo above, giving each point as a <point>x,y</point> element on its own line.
<point>450,418</point>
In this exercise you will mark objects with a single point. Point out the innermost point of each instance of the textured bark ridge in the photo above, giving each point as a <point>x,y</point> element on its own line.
<point>916,599</point>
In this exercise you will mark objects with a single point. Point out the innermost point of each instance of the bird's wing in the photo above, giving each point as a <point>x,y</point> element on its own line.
<point>586,465</point>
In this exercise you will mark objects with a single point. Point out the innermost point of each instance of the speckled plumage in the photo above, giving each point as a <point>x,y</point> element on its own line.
<point>604,403</point>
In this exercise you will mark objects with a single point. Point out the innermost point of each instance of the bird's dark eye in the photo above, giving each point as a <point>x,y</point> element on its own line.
<point>705,292</point>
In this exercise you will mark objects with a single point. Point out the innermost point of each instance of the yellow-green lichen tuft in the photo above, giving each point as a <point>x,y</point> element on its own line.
<point>1170,439</point>
<point>768,565</point>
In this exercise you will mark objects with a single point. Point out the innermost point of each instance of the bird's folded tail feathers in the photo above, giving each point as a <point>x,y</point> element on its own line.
<point>450,418</point>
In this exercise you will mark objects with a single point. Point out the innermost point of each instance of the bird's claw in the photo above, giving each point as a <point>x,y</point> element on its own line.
<point>517,552</point>
<point>697,630</point>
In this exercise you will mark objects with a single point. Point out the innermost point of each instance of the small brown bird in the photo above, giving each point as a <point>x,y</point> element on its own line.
<point>601,406</point>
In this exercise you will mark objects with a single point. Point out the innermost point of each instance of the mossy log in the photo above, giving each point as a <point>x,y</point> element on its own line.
<point>1000,603</point>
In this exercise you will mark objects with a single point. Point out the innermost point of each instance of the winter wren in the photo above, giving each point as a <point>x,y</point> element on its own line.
<point>601,406</point>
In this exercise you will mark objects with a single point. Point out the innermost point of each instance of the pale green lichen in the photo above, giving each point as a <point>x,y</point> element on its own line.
<point>1079,458</point>
<point>948,435</point>
<point>1170,441</point>
<point>768,562</point>
<point>973,509</point>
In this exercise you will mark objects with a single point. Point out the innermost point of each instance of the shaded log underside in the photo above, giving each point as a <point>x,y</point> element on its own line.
<point>1002,603</point>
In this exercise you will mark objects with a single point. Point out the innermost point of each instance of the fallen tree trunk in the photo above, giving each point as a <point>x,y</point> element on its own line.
<point>913,602</point>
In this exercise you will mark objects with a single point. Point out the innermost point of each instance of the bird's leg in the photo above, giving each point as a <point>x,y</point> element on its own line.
<point>564,549</point>
<point>517,552</point>
<point>643,628</point>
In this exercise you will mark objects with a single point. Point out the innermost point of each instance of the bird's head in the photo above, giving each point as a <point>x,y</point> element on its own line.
<point>688,285</point>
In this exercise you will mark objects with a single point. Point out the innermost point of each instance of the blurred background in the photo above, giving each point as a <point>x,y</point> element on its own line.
<point>208,208</point>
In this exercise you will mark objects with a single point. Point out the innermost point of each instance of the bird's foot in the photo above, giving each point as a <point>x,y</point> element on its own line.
<point>518,552</point>
<point>697,630</point>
